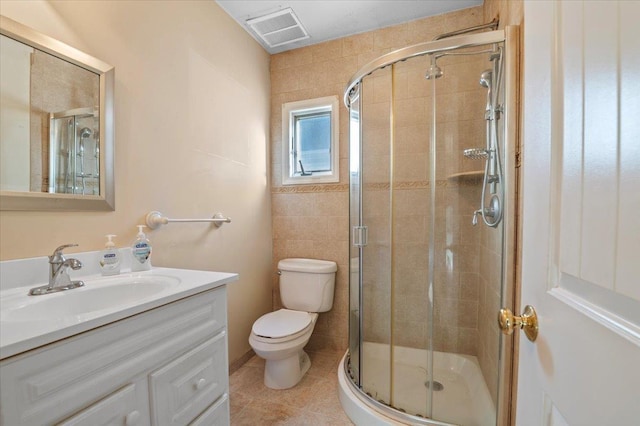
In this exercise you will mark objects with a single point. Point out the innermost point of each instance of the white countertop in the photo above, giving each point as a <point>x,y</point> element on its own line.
<point>20,335</point>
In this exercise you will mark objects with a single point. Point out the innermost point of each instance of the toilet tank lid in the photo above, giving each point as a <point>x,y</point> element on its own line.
<point>314,266</point>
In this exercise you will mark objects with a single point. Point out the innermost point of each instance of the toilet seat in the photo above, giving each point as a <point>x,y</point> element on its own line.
<point>282,325</point>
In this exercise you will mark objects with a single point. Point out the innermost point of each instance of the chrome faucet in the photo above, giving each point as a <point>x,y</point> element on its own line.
<point>59,279</point>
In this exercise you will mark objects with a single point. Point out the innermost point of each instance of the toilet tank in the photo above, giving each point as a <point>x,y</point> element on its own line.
<point>307,284</point>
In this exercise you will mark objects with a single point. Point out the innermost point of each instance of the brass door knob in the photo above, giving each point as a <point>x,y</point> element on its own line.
<point>528,321</point>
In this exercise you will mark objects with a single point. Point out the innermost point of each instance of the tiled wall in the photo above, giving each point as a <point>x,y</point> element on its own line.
<point>396,182</point>
<point>315,225</point>
<point>312,220</point>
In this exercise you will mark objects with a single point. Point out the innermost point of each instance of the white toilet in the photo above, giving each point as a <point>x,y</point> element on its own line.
<point>306,288</point>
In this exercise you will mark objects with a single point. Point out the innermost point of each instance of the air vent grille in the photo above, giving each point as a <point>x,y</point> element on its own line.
<point>278,28</point>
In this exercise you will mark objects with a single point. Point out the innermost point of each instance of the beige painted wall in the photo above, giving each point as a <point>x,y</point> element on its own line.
<point>192,124</point>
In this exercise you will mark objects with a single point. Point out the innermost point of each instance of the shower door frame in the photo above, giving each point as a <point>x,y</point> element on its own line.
<point>507,367</point>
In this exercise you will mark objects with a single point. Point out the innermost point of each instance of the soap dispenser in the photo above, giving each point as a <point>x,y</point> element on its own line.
<point>141,251</point>
<point>110,258</point>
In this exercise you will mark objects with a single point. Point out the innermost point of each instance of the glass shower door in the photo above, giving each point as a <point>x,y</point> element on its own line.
<point>74,153</point>
<point>357,231</point>
<point>375,261</point>
<point>427,135</point>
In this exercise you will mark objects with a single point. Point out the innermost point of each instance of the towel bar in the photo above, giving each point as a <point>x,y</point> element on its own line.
<point>155,219</point>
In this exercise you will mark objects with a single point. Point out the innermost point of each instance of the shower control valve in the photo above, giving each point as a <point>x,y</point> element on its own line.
<point>493,212</point>
<point>474,221</point>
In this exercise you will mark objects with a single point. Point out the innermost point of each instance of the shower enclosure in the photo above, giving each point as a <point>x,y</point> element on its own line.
<point>74,150</point>
<point>432,194</point>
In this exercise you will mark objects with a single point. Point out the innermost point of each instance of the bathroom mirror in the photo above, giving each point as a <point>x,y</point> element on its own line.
<point>56,126</point>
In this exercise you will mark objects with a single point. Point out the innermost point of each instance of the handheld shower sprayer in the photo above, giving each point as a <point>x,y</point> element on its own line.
<point>485,81</point>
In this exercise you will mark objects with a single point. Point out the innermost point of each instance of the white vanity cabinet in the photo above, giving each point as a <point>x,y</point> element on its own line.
<point>165,366</point>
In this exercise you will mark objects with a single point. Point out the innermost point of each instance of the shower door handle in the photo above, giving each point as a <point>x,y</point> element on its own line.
<point>528,322</point>
<point>360,236</point>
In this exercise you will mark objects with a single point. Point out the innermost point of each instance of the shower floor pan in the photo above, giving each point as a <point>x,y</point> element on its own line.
<point>463,400</point>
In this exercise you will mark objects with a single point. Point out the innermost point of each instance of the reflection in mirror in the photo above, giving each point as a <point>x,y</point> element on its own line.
<point>56,132</point>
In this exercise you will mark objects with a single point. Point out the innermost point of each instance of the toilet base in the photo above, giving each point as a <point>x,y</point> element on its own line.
<point>286,373</point>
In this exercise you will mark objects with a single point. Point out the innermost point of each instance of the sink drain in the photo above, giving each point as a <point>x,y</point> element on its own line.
<point>434,385</point>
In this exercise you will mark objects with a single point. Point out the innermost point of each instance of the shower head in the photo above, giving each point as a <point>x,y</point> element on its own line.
<point>434,70</point>
<point>485,78</point>
<point>85,132</point>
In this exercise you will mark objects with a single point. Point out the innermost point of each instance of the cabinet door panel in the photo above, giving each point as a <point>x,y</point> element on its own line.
<point>120,408</point>
<point>185,387</point>
<point>216,415</point>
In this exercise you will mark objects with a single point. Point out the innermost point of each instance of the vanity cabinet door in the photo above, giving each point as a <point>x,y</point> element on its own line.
<point>184,388</point>
<point>216,415</point>
<point>122,407</point>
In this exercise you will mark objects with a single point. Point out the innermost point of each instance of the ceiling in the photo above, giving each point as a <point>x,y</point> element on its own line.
<point>330,19</point>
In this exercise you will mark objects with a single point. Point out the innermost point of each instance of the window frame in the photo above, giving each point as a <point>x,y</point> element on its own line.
<point>290,111</point>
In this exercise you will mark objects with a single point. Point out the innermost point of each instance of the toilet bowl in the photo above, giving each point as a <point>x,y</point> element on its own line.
<point>306,288</point>
<point>279,338</point>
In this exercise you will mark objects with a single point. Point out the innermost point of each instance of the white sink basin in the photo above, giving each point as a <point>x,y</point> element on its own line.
<point>28,322</point>
<point>97,295</point>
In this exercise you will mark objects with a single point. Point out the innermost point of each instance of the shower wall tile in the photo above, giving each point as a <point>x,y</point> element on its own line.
<point>391,37</point>
<point>469,286</point>
<point>410,112</point>
<point>410,167</point>
<point>467,341</point>
<point>315,225</point>
<point>463,18</point>
<point>414,333</point>
<point>401,88</point>
<point>414,200</point>
<point>357,44</point>
<point>380,89</point>
<point>412,139</point>
<point>411,228</point>
<point>423,30</point>
<point>327,51</point>
<point>290,59</point>
<point>366,57</point>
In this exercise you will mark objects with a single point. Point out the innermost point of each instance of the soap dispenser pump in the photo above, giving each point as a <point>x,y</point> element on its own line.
<point>110,258</point>
<point>141,251</point>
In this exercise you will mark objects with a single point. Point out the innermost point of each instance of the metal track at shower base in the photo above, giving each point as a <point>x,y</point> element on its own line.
<point>384,409</point>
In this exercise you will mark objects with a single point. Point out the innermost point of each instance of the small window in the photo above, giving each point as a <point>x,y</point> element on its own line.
<point>310,141</point>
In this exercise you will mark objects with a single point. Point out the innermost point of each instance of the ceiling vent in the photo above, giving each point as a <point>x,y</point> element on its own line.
<point>278,28</point>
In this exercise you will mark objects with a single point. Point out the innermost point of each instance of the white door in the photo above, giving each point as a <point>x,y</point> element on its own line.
<point>581,214</point>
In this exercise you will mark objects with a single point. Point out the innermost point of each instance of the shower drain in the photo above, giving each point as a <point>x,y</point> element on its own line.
<point>437,386</point>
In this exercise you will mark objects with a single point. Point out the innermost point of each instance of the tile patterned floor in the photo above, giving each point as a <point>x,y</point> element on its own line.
<point>312,402</point>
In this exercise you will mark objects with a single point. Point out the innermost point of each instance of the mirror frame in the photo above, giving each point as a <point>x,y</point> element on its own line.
<point>10,200</point>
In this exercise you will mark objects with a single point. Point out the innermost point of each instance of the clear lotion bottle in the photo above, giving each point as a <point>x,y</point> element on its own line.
<point>110,258</point>
<point>141,252</point>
